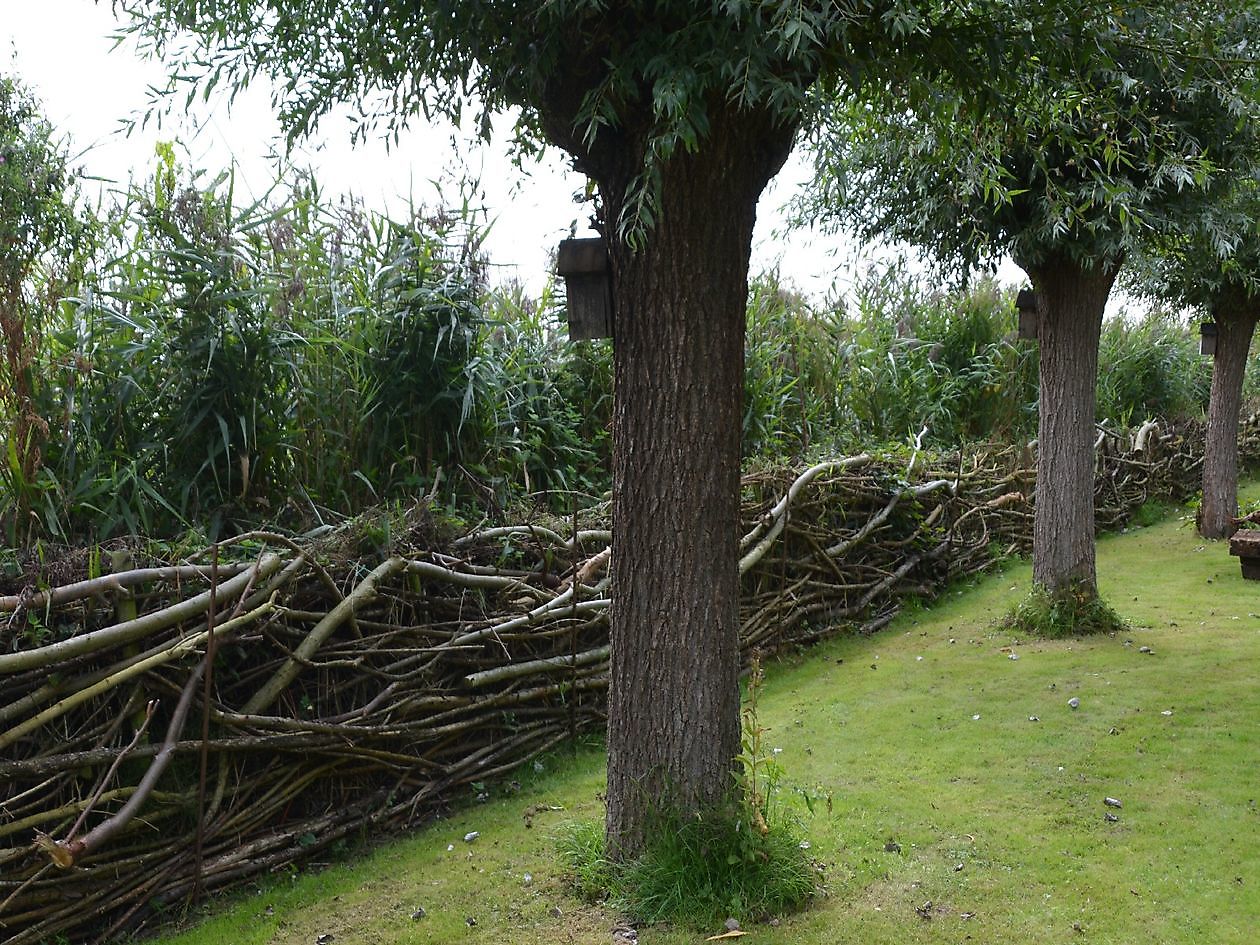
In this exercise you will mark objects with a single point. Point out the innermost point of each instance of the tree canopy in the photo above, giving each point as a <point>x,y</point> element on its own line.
<point>583,74</point>
<point>1093,143</point>
<point>1216,258</point>
<point>568,70</point>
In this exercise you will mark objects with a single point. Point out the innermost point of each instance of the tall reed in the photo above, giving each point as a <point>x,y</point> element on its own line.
<point>296,358</point>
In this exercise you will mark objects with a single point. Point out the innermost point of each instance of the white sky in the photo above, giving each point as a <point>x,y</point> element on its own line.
<point>62,50</point>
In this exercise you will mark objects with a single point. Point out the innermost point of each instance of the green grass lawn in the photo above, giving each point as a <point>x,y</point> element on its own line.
<point>922,735</point>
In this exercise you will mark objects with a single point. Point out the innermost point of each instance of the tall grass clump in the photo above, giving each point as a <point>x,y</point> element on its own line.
<point>1067,614</point>
<point>898,360</point>
<point>389,312</point>
<point>192,371</point>
<point>422,352</point>
<point>548,431</point>
<point>946,364</point>
<point>794,357</point>
<point>44,242</point>
<point>744,859</point>
<point>894,360</point>
<point>183,357</point>
<point>214,369</point>
<point>1152,369</point>
<point>284,358</point>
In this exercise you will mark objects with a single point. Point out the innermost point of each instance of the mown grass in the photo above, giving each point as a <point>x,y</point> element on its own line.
<point>941,788</point>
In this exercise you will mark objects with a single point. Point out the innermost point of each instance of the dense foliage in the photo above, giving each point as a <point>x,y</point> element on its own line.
<point>1211,264</point>
<point>294,359</point>
<point>298,359</point>
<point>1063,153</point>
<point>898,359</point>
<point>42,242</point>
<point>181,359</point>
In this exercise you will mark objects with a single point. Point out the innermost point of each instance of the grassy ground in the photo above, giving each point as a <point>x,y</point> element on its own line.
<point>923,735</point>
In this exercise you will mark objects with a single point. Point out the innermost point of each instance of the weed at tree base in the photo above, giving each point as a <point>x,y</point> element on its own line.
<point>745,858</point>
<point>1073,613</point>
<point>696,870</point>
<point>588,871</point>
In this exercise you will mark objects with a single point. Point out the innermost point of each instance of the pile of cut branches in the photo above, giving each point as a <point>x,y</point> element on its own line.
<point>170,730</point>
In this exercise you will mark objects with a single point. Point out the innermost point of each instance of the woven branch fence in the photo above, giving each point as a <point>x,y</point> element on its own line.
<point>347,696</point>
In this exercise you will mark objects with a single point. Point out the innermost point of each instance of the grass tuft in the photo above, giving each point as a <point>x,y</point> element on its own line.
<point>1151,512</point>
<point>745,858</point>
<point>588,871</point>
<point>696,871</point>
<point>1074,613</point>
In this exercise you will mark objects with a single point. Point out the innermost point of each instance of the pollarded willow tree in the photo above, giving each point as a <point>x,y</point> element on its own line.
<point>1066,164</point>
<point>680,112</point>
<point>1214,267</point>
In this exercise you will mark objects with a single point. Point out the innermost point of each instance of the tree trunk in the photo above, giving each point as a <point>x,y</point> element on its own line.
<point>1070,304</point>
<point>680,303</point>
<point>1235,324</point>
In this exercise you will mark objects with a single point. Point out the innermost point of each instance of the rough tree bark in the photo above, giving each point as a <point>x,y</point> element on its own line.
<point>680,305</point>
<point>1235,324</point>
<point>1070,303</point>
<point>681,299</point>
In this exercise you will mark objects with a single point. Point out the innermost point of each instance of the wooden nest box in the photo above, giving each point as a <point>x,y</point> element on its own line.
<point>1026,305</point>
<point>587,273</point>
<point>1207,339</point>
<point>1246,545</point>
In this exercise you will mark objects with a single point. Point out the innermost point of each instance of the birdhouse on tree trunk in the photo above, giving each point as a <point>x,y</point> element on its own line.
<point>587,273</point>
<point>1207,339</point>
<point>1026,305</point>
